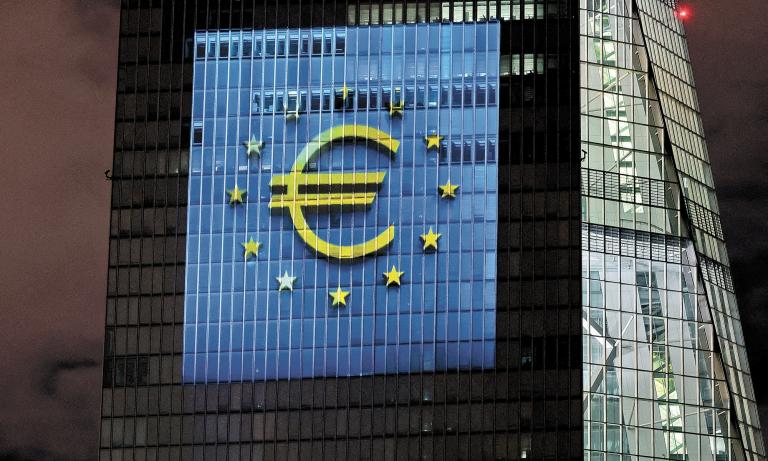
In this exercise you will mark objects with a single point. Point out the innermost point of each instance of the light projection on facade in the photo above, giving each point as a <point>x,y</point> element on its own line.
<point>342,202</point>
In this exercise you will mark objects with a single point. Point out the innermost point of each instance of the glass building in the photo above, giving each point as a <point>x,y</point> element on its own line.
<point>416,230</point>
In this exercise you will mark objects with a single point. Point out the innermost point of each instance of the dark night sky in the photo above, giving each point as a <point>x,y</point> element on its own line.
<point>57,84</point>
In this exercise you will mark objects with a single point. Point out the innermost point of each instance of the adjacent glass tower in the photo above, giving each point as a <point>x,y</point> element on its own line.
<point>416,230</point>
<point>666,372</point>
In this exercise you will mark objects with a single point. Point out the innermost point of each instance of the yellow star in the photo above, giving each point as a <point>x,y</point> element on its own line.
<point>252,146</point>
<point>433,141</point>
<point>448,190</point>
<point>393,276</point>
<point>251,248</point>
<point>236,195</point>
<point>430,239</point>
<point>286,282</point>
<point>339,297</point>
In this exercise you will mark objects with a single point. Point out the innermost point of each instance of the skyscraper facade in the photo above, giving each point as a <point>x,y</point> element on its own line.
<point>665,364</point>
<point>416,230</point>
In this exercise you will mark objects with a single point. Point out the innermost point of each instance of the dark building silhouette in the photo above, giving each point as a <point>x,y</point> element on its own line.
<point>576,304</point>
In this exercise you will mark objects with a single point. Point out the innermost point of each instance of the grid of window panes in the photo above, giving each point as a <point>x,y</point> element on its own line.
<point>650,391</point>
<point>528,406</point>
<point>630,182</point>
<point>456,11</point>
<point>628,179</point>
<point>144,309</point>
<point>284,88</point>
<point>668,55</point>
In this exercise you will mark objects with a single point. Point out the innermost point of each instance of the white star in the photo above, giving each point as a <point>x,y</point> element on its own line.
<point>286,282</point>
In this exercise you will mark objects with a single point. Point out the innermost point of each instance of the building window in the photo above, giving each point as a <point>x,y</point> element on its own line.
<point>200,49</point>
<point>256,103</point>
<point>247,47</point>
<point>197,134</point>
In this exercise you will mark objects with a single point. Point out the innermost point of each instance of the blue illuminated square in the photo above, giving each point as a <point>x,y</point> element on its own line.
<point>366,155</point>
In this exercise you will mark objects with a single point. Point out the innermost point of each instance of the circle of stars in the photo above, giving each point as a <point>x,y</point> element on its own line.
<point>393,277</point>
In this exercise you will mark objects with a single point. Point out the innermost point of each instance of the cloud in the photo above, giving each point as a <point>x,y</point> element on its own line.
<point>29,454</point>
<point>49,382</point>
<point>50,399</point>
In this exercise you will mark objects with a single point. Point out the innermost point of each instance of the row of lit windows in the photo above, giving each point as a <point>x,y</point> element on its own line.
<point>391,71</point>
<point>271,45</point>
<point>410,13</point>
<point>248,44</point>
<point>456,11</point>
<point>420,97</point>
<point>339,70</point>
<point>316,100</point>
<point>398,68</point>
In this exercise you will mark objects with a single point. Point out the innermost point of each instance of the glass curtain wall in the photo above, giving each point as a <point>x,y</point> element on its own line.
<point>653,381</point>
<point>668,54</point>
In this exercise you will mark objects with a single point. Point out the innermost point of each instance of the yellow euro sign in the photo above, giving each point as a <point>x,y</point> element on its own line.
<point>298,190</point>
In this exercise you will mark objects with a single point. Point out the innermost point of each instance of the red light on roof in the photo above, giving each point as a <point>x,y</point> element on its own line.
<point>683,12</point>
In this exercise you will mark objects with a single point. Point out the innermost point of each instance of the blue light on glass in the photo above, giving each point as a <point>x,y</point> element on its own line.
<point>281,88</point>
